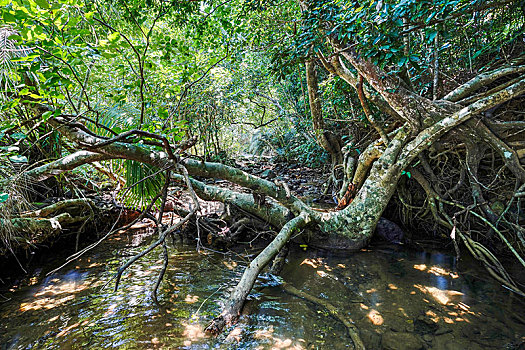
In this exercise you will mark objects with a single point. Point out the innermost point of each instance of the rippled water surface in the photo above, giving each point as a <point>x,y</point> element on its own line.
<point>396,297</point>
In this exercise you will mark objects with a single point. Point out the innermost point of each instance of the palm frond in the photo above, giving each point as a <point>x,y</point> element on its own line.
<point>118,117</point>
<point>13,200</point>
<point>144,183</point>
<point>9,50</point>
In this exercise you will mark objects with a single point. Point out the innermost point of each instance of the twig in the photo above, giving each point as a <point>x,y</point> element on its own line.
<point>353,332</point>
<point>162,271</point>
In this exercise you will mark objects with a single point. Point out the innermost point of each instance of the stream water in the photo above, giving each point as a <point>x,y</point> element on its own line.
<point>397,298</point>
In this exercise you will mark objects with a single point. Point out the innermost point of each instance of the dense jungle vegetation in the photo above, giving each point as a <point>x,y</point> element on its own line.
<point>413,110</point>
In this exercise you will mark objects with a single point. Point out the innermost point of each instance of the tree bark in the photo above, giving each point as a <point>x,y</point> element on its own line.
<point>326,138</point>
<point>234,305</point>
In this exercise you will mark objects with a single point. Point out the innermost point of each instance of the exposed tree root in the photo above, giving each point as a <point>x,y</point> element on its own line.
<point>480,252</point>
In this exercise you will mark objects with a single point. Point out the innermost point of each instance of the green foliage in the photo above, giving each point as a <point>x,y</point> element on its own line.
<point>376,28</point>
<point>119,117</point>
<point>222,70</point>
<point>400,36</point>
<point>308,153</point>
<point>296,146</point>
<point>143,182</point>
<point>4,197</point>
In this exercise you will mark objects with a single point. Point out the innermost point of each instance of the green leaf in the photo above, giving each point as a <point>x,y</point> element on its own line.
<point>18,136</point>
<point>18,159</point>
<point>43,4</point>
<point>113,37</point>
<point>163,113</point>
<point>46,115</point>
<point>432,35</point>
<point>9,17</point>
<point>402,61</point>
<point>35,96</point>
<point>4,197</point>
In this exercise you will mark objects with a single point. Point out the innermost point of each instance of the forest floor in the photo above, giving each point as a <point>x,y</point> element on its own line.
<point>304,182</point>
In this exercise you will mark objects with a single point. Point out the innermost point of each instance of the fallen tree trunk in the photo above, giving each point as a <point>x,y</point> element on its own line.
<point>39,226</point>
<point>233,307</point>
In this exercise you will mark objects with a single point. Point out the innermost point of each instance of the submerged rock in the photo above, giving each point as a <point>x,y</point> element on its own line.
<point>371,339</point>
<point>442,330</point>
<point>397,340</point>
<point>428,338</point>
<point>390,231</point>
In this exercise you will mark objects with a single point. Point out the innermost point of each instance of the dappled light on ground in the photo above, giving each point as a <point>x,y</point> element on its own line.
<point>191,299</point>
<point>385,294</point>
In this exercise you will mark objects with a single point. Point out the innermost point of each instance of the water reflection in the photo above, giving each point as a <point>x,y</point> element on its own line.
<point>386,293</point>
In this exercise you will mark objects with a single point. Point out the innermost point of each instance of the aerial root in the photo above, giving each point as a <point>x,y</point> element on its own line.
<point>493,266</point>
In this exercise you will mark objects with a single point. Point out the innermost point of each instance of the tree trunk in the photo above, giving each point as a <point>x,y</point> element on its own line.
<point>326,138</point>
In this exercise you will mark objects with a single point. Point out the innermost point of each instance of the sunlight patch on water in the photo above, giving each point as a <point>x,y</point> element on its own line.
<point>315,263</point>
<point>56,293</point>
<point>442,296</point>
<point>437,271</point>
<point>375,317</point>
<point>420,267</point>
<point>234,335</point>
<point>230,265</point>
<point>193,332</point>
<point>276,342</point>
<point>403,312</point>
<point>321,273</point>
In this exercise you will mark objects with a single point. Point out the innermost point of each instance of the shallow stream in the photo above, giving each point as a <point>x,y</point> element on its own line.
<point>397,298</point>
